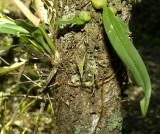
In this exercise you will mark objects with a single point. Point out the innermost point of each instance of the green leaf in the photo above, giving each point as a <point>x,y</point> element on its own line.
<point>7,69</point>
<point>33,5</point>
<point>23,38</point>
<point>9,28</point>
<point>5,48</point>
<point>77,21</point>
<point>3,96</point>
<point>30,40</point>
<point>19,48</point>
<point>31,67</point>
<point>26,24</point>
<point>35,44</point>
<point>38,36</point>
<point>50,43</point>
<point>128,54</point>
<point>7,25</point>
<point>123,24</point>
<point>74,20</point>
<point>7,19</point>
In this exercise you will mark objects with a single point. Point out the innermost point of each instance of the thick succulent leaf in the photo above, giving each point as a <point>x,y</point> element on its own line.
<point>7,69</point>
<point>128,54</point>
<point>74,20</point>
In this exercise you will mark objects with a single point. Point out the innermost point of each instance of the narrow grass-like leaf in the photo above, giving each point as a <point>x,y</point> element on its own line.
<point>4,61</point>
<point>6,69</point>
<point>8,25</point>
<point>74,20</point>
<point>50,43</point>
<point>128,54</point>
<point>37,33</point>
<point>36,45</point>
<point>19,48</point>
<point>38,36</point>
<point>33,73</point>
<point>26,24</point>
<point>11,29</point>
<point>5,48</point>
<point>7,19</point>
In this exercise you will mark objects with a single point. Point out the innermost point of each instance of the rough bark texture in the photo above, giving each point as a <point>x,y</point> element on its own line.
<point>88,100</point>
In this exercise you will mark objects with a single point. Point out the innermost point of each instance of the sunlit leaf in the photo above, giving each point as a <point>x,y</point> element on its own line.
<point>6,69</point>
<point>128,54</point>
<point>11,29</point>
<point>7,19</point>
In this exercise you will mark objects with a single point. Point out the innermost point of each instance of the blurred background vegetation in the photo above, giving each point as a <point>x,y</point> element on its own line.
<point>145,28</point>
<point>15,100</point>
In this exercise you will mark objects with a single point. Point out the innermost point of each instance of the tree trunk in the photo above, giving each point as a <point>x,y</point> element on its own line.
<point>91,77</point>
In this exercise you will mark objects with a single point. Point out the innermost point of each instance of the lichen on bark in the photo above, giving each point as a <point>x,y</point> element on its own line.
<point>94,97</point>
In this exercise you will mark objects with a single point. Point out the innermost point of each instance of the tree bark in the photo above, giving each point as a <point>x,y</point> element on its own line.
<point>88,100</point>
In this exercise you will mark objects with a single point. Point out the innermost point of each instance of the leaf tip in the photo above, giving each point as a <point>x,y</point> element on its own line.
<point>144,103</point>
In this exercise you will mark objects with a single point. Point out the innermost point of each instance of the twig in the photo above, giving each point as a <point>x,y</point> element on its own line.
<point>31,80</point>
<point>34,81</point>
<point>84,85</point>
<point>101,112</point>
<point>64,3</point>
<point>49,78</point>
<point>38,69</point>
<point>24,98</point>
<point>43,103</point>
<point>80,7</point>
<point>20,74</point>
<point>23,95</point>
<point>4,61</point>
<point>12,121</point>
<point>26,12</point>
<point>107,80</point>
<point>49,98</point>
